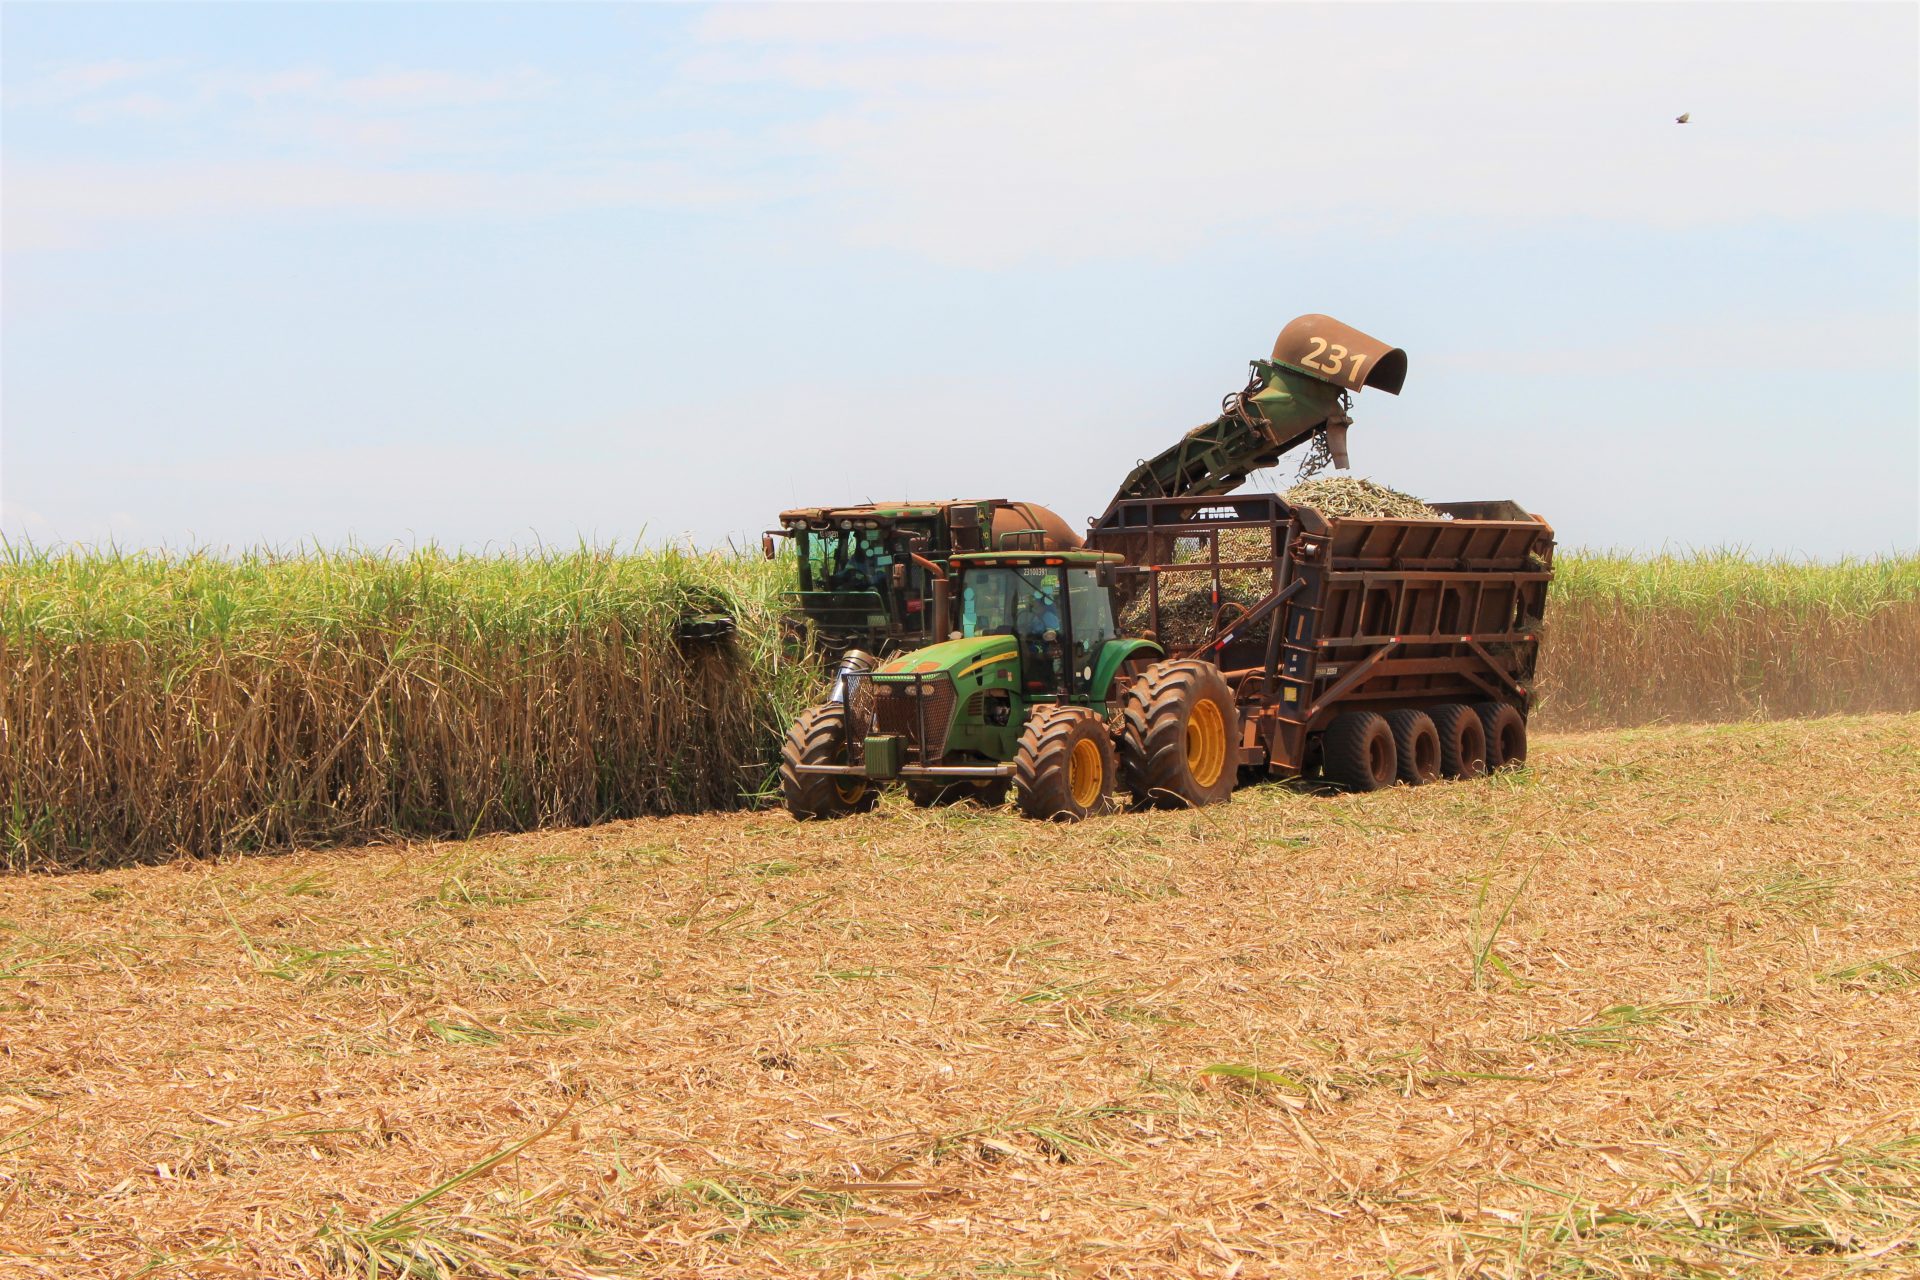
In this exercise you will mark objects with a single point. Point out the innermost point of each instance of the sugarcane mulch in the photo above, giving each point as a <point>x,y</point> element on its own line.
<point>1645,1007</point>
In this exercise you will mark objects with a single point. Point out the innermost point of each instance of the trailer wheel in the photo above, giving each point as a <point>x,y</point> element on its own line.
<point>1506,734</point>
<point>1359,753</point>
<point>985,791</point>
<point>1417,744</point>
<point>1463,741</point>
<point>819,737</point>
<point>1063,767</point>
<point>1179,736</point>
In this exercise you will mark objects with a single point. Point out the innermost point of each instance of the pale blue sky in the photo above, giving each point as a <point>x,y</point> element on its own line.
<point>481,274</point>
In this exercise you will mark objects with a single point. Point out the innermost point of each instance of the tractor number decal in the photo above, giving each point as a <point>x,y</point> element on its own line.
<point>1334,360</point>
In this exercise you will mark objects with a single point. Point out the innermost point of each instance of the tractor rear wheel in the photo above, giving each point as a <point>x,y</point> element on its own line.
<point>1063,768</point>
<point>1358,752</point>
<point>1418,745</point>
<point>1180,736</point>
<point>986,792</point>
<point>1463,741</point>
<point>819,736</point>
<point>1506,734</point>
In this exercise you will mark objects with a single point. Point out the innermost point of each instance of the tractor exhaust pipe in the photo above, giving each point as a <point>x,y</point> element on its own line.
<point>937,588</point>
<point>942,609</point>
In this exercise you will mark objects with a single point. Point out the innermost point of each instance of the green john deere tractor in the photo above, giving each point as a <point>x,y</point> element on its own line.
<point>1036,689</point>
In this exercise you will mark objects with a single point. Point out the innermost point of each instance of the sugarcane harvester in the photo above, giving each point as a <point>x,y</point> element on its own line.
<point>1383,649</point>
<point>866,572</point>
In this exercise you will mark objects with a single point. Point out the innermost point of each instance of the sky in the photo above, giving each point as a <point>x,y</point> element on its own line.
<point>500,275</point>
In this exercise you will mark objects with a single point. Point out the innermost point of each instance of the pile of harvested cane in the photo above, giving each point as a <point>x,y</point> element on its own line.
<point>1336,496</point>
<point>1187,607</point>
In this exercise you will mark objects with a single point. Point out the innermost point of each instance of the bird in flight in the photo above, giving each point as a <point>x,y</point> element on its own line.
<point>1683,117</point>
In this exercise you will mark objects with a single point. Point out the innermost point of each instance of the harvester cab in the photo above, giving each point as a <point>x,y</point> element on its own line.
<point>871,576</point>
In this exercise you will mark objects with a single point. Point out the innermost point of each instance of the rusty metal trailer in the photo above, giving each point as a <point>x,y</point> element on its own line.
<point>1381,649</point>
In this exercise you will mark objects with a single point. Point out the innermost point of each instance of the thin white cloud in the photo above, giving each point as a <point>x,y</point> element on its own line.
<point>992,134</point>
<point>88,78</point>
<point>95,87</point>
<point>995,135</point>
<point>65,206</point>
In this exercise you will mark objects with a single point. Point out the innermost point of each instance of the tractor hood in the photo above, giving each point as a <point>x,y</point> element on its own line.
<point>975,657</point>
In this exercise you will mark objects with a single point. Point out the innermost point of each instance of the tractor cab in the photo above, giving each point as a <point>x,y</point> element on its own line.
<point>1057,608</point>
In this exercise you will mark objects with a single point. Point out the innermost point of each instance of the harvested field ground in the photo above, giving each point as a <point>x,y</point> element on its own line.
<point>1646,1008</point>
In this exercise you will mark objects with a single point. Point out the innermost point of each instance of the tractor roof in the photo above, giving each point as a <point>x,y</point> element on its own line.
<point>884,510</point>
<point>987,559</point>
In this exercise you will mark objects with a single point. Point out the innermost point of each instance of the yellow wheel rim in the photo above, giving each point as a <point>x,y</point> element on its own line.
<point>850,790</point>
<point>1086,773</point>
<point>1206,742</point>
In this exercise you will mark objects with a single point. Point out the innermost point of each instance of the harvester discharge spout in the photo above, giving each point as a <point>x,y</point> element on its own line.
<point>1302,393</point>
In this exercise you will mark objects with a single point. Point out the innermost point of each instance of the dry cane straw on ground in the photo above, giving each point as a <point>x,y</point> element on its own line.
<point>1646,1008</point>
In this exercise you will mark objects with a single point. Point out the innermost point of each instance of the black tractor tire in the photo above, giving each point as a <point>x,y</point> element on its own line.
<point>1358,752</point>
<point>819,737</point>
<point>1506,734</point>
<point>1064,768</point>
<point>1463,741</point>
<point>932,794</point>
<point>1417,743</point>
<point>1180,736</point>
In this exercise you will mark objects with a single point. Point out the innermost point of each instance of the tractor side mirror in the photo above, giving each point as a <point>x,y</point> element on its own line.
<point>766,545</point>
<point>1103,575</point>
<point>899,576</point>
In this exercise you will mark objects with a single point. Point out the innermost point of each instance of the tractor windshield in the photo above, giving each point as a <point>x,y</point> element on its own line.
<point>1059,638</point>
<point>1005,601</point>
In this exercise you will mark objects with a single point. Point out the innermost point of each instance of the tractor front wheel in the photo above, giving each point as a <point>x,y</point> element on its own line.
<point>819,736</point>
<point>1180,736</point>
<point>1063,768</point>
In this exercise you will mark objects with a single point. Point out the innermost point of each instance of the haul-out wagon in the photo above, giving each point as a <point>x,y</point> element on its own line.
<point>1364,647</point>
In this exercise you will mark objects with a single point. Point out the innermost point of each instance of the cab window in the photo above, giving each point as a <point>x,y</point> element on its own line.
<point>1092,614</point>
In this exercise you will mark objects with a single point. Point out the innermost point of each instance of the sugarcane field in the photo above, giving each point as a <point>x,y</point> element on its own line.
<point>524,752</point>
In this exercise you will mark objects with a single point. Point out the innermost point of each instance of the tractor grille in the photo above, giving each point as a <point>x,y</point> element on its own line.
<point>860,692</point>
<point>897,712</point>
